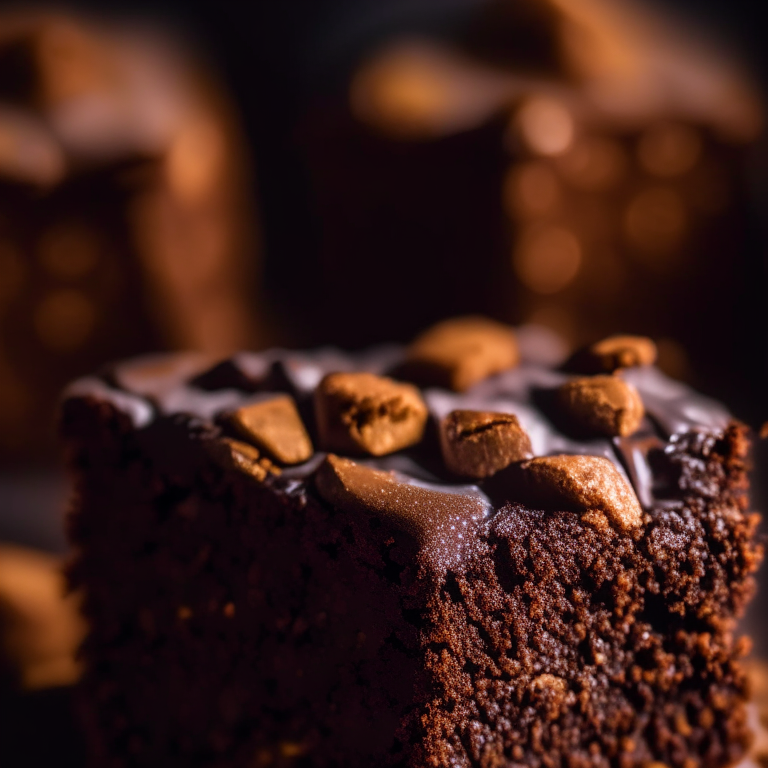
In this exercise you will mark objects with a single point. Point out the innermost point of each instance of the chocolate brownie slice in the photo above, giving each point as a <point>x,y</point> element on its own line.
<point>522,565</point>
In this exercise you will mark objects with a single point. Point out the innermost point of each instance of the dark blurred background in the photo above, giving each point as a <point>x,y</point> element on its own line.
<point>216,175</point>
<point>349,172</point>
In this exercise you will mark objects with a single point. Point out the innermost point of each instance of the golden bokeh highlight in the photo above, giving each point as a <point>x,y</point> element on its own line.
<point>70,62</point>
<point>655,223</point>
<point>546,260</point>
<point>545,125</point>
<point>28,152</point>
<point>400,97</point>
<point>594,163</point>
<point>669,149</point>
<point>531,189</point>
<point>64,320</point>
<point>69,252</point>
<point>195,160</point>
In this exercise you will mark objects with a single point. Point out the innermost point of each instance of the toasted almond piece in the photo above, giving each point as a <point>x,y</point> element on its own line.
<point>613,353</point>
<point>461,352</point>
<point>361,413</point>
<point>274,427</point>
<point>478,444</point>
<point>606,404</point>
<point>591,484</point>
<point>241,457</point>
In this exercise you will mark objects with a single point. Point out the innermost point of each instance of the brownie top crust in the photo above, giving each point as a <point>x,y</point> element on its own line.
<point>434,437</point>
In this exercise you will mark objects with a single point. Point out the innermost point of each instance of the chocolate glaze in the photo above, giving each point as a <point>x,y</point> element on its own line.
<point>442,522</point>
<point>187,390</point>
<point>138,410</point>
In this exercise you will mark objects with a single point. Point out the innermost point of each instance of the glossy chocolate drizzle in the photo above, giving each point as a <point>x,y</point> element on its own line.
<point>185,390</point>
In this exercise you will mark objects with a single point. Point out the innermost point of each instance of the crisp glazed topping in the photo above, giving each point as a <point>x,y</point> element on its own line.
<point>590,484</point>
<point>478,444</point>
<point>603,404</point>
<point>361,413</point>
<point>433,517</point>
<point>275,427</point>
<point>488,434</point>
<point>456,354</point>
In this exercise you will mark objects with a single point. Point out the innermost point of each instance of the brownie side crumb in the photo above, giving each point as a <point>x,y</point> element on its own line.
<point>238,623</point>
<point>566,645</point>
<point>233,624</point>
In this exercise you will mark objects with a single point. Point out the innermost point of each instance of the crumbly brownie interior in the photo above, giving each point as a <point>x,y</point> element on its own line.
<point>237,621</point>
<point>564,645</point>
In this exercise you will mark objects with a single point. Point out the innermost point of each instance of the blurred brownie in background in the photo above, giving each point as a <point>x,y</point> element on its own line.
<point>40,631</point>
<point>575,164</point>
<point>125,223</point>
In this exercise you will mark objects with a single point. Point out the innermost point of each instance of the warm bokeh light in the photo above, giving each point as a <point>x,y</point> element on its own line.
<point>28,152</point>
<point>531,189</point>
<point>669,149</point>
<point>545,125</point>
<point>401,92</point>
<point>64,320</point>
<point>71,62</point>
<point>638,64</point>
<point>69,252</point>
<point>594,163</point>
<point>416,90</point>
<point>546,260</point>
<point>655,222</point>
<point>196,160</point>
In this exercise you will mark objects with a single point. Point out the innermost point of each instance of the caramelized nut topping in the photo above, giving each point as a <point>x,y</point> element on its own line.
<point>363,413</point>
<point>275,427</point>
<point>605,404</point>
<point>614,353</point>
<point>425,513</point>
<point>459,353</point>
<point>241,457</point>
<point>478,444</point>
<point>588,483</point>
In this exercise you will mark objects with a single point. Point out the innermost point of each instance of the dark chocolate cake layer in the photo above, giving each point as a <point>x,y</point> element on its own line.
<point>512,564</point>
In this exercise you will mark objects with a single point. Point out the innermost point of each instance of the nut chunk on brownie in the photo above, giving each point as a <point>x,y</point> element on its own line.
<point>253,600</point>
